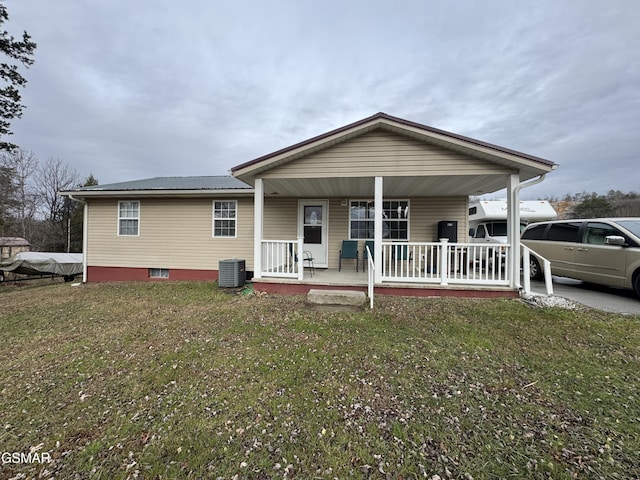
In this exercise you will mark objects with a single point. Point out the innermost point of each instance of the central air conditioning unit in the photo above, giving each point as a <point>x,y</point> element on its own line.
<point>231,273</point>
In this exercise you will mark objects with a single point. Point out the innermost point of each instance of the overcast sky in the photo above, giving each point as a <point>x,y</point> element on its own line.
<point>127,89</point>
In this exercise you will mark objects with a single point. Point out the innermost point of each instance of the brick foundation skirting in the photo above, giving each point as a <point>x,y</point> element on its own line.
<point>126,274</point>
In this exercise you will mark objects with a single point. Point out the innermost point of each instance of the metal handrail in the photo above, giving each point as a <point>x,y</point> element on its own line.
<point>371,277</point>
<point>548,282</point>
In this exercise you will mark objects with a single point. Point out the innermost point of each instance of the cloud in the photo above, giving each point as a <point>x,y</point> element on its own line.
<point>129,90</point>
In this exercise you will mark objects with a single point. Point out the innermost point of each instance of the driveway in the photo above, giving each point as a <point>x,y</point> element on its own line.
<point>594,296</point>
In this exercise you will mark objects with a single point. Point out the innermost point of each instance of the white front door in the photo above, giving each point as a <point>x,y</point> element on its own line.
<point>313,221</point>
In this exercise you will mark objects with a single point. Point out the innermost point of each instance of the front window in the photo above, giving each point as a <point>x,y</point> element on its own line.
<point>395,219</point>
<point>632,225</point>
<point>595,233</point>
<point>129,217</point>
<point>224,218</point>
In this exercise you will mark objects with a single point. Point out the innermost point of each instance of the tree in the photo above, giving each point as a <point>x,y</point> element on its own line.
<point>592,207</point>
<point>75,229</point>
<point>10,100</point>
<point>8,200</point>
<point>22,164</point>
<point>53,176</point>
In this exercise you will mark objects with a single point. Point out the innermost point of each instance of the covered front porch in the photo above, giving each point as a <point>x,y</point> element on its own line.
<point>385,183</point>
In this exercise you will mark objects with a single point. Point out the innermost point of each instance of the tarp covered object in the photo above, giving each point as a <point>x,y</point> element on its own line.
<point>42,263</point>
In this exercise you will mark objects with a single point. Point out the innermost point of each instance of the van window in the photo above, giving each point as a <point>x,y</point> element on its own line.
<point>595,233</point>
<point>535,233</point>
<point>480,232</point>
<point>564,232</point>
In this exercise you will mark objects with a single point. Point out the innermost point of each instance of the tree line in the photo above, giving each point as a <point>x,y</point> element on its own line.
<point>593,205</point>
<point>30,206</point>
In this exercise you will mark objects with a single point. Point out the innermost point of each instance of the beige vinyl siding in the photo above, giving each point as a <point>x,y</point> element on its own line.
<point>338,230</point>
<point>174,233</point>
<point>177,233</point>
<point>384,153</point>
<point>425,213</point>
<point>280,218</point>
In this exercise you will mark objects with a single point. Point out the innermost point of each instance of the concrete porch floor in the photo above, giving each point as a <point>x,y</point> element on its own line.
<point>349,279</point>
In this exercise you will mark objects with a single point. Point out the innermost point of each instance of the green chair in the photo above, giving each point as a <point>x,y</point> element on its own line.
<point>307,257</point>
<point>349,250</point>
<point>400,252</point>
<point>368,243</point>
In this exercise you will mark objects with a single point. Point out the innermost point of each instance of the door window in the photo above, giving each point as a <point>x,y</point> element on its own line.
<point>312,225</point>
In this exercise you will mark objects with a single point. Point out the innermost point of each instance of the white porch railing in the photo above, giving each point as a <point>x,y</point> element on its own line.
<point>445,263</point>
<point>546,268</point>
<point>372,275</point>
<point>283,258</point>
<point>439,263</point>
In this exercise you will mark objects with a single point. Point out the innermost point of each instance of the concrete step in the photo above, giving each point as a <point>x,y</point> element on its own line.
<point>348,298</point>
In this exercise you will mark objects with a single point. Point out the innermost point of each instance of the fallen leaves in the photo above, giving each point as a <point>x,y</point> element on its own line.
<point>180,381</point>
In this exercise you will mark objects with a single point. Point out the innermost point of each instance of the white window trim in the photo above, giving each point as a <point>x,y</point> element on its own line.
<point>127,218</point>
<point>369,200</point>
<point>213,220</point>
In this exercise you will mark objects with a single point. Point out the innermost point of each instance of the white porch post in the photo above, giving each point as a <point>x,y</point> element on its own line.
<point>513,230</point>
<point>300,254</point>
<point>444,261</point>
<point>377,238</point>
<point>258,214</point>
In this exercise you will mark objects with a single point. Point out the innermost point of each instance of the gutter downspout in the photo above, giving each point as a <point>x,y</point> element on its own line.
<point>516,228</point>
<point>530,183</point>
<point>85,239</point>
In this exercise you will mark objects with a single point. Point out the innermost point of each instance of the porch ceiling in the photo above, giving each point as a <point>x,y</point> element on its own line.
<point>442,185</point>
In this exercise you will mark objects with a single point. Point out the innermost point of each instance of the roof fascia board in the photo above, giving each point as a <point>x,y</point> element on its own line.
<point>271,160</point>
<point>470,144</point>
<point>159,193</point>
<point>249,169</point>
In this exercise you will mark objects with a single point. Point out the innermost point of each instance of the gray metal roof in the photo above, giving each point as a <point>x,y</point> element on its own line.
<point>225,182</point>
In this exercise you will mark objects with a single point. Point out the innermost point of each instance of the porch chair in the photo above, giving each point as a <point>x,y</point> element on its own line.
<point>307,257</point>
<point>402,254</point>
<point>368,243</point>
<point>349,250</point>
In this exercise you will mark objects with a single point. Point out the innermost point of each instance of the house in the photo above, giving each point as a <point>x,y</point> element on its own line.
<point>10,246</point>
<point>401,185</point>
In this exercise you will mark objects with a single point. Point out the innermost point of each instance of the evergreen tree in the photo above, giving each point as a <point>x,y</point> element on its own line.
<point>10,99</point>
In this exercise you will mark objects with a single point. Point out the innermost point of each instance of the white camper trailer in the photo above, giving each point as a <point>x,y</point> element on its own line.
<point>488,218</point>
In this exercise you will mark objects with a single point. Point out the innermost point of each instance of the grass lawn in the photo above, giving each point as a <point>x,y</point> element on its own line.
<point>183,380</point>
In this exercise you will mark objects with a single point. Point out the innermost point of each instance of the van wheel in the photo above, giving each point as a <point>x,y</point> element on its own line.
<point>535,272</point>
<point>636,284</point>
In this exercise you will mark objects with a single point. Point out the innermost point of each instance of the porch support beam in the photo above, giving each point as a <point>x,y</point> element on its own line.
<point>258,217</point>
<point>513,229</point>
<point>377,236</point>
